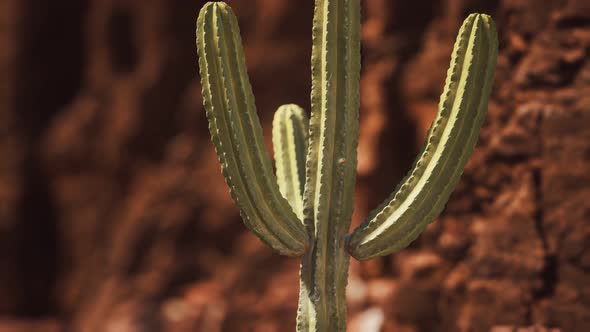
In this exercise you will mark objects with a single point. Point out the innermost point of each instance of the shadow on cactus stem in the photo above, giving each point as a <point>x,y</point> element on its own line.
<point>306,210</point>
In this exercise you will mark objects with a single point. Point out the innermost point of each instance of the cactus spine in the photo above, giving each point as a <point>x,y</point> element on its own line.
<point>307,209</point>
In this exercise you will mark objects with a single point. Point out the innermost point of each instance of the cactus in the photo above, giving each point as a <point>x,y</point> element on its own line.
<point>289,139</point>
<point>306,209</point>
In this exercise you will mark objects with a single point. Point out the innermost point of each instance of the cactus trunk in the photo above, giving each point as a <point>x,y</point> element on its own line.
<point>331,164</point>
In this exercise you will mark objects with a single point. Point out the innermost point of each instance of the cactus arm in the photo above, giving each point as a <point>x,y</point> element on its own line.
<point>424,192</point>
<point>237,135</point>
<point>289,139</point>
<point>331,163</point>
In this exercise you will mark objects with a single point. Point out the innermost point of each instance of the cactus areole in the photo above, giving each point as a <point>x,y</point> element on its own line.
<point>306,209</point>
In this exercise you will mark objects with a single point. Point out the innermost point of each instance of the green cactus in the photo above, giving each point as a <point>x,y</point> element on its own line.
<point>289,139</point>
<point>308,210</point>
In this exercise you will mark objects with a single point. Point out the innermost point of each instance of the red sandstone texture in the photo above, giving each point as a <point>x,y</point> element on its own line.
<point>114,215</point>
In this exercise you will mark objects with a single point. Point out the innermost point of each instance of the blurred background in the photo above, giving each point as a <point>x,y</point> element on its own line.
<point>114,215</point>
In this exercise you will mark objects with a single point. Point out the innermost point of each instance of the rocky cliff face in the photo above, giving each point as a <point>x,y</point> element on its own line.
<point>114,215</point>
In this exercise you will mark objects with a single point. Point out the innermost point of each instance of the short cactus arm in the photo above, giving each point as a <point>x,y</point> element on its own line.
<point>289,139</point>
<point>331,163</point>
<point>237,135</point>
<point>424,192</point>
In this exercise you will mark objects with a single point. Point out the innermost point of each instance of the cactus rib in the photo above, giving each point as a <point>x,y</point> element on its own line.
<point>289,138</point>
<point>450,141</point>
<point>237,135</point>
